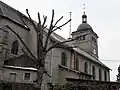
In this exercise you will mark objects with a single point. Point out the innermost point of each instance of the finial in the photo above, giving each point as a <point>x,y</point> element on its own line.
<point>84,17</point>
<point>84,8</point>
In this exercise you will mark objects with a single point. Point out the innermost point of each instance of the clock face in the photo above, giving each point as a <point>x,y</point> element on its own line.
<point>94,51</point>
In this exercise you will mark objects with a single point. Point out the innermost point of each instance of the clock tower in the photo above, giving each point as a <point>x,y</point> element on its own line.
<point>88,38</point>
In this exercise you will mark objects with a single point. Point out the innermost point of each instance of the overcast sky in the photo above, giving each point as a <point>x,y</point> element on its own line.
<point>103,16</point>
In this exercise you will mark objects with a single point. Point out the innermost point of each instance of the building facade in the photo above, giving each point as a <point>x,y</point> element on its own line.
<point>81,62</point>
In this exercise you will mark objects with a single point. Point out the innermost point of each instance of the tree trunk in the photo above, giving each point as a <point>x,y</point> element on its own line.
<point>39,79</point>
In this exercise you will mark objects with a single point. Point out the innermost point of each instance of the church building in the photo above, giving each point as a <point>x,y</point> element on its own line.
<point>81,62</point>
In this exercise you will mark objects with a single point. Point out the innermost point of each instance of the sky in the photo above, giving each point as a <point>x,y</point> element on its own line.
<point>103,16</point>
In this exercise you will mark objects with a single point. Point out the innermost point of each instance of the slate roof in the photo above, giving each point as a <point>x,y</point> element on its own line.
<point>11,13</point>
<point>8,11</point>
<point>84,26</point>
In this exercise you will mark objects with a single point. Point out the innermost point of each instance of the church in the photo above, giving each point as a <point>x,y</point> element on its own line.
<point>81,62</point>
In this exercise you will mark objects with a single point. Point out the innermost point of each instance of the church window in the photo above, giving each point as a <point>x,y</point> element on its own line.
<point>100,74</point>
<point>86,67</point>
<point>64,59</point>
<point>14,49</point>
<point>94,51</point>
<point>105,75</point>
<point>12,77</point>
<point>27,76</point>
<point>94,40</point>
<point>93,71</point>
<point>82,37</point>
<point>113,88</point>
<point>77,64</point>
<point>5,62</point>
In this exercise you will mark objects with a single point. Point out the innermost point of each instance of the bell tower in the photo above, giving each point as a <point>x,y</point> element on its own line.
<point>88,38</point>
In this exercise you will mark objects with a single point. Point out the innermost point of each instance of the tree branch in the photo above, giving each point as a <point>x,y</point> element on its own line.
<point>57,21</point>
<point>39,18</point>
<point>31,20</point>
<point>29,56</point>
<point>51,24</point>
<point>21,17</point>
<point>60,26</point>
<point>44,27</point>
<point>49,31</point>
<point>45,18</point>
<point>26,47</point>
<point>60,43</point>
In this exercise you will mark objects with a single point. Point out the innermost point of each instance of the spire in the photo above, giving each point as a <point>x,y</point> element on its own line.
<point>84,17</point>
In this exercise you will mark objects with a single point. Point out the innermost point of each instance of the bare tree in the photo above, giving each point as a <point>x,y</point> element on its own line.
<point>42,48</point>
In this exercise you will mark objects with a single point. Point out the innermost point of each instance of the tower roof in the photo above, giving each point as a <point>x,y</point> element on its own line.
<point>84,24</point>
<point>84,16</point>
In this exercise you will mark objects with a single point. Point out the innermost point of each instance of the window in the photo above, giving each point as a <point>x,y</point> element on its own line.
<point>82,37</point>
<point>6,62</point>
<point>94,40</point>
<point>93,71</point>
<point>105,75</point>
<point>94,51</point>
<point>114,88</point>
<point>77,64</point>
<point>14,49</point>
<point>100,74</point>
<point>27,76</point>
<point>64,59</point>
<point>86,67</point>
<point>12,77</point>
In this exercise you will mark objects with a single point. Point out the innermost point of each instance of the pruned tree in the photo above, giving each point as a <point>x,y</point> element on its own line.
<point>42,47</point>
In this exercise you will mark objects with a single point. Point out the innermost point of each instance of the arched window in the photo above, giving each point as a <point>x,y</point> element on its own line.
<point>14,49</point>
<point>86,67</point>
<point>100,74</point>
<point>105,75</point>
<point>93,71</point>
<point>77,64</point>
<point>64,59</point>
<point>113,88</point>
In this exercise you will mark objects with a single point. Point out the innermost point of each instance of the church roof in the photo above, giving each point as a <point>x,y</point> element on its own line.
<point>12,14</point>
<point>8,11</point>
<point>84,26</point>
